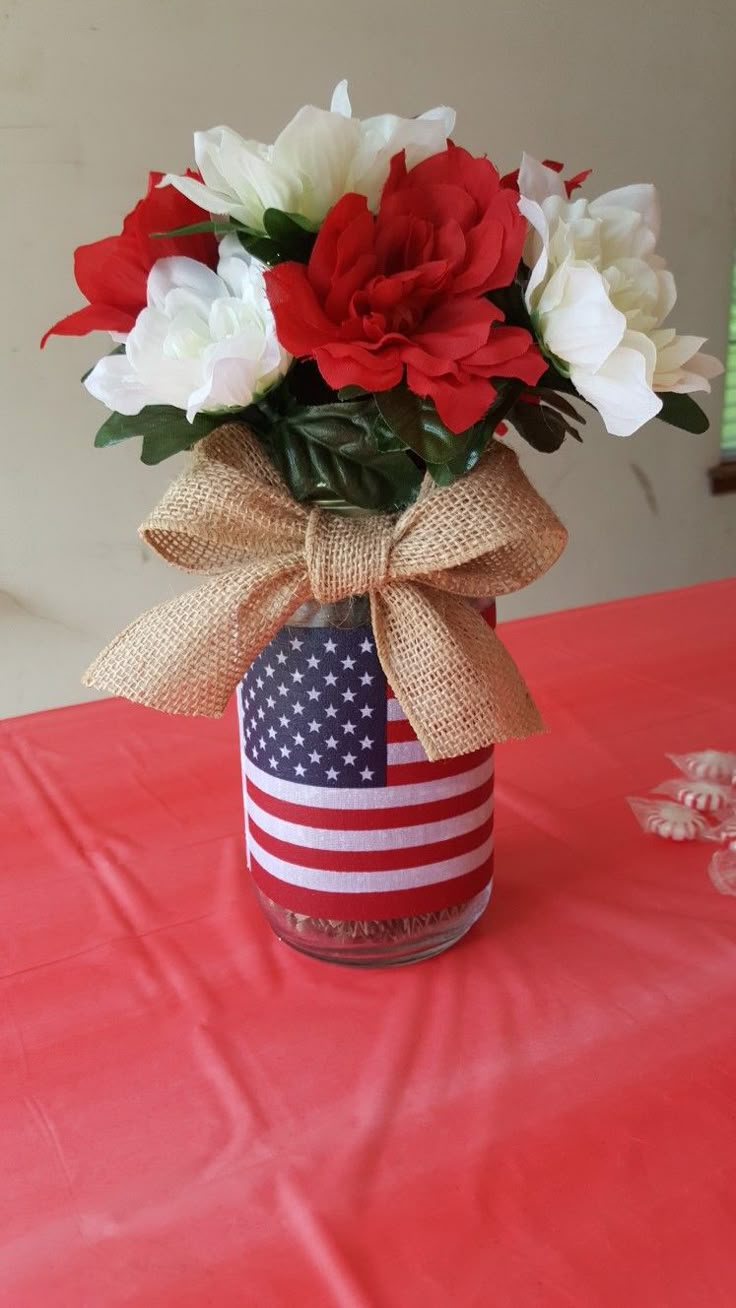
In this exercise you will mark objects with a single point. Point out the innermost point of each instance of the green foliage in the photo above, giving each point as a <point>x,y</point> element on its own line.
<point>351,393</point>
<point>219,227</point>
<point>337,455</point>
<point>447,454</point>
<point>417,424</point>
<point>683,412</point>
<point>545,425</point>
<point>284,235</point>
<point>510,300</point>
<point>678,410</point>
<point>165,430</point>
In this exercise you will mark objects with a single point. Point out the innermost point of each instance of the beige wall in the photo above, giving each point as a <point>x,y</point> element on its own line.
<point>94,92</point>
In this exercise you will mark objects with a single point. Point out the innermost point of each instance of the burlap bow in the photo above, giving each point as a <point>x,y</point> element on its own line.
<point>230,517</point>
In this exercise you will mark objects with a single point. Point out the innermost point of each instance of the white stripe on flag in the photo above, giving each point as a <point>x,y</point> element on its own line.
<point>406,751</point>
<point>370,797</point>
<point>393,838</point>
<point>241,737</point>
<point>372,882</point>
<point>394,711</point>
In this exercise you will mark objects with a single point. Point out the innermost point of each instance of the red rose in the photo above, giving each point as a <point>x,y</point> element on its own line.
<point>112,273</point>
<point>402,293</point>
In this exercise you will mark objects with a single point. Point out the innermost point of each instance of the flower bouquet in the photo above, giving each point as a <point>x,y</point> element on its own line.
<point>339,326</point>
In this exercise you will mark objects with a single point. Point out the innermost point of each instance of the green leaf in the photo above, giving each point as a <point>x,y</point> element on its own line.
<point>164,444</point>
<point>471,445</point>
<point>555,380</point>
<point>510,300</point>
<point>342,455</point>
<point>557,402</point>
<point>193,229</point>
<point>682,411</point>
<point>164,429</point>
<point>285,237</point>
<point>417,424</point>
<point>115,429</point>
<point>260,246</point>
<point>289,233</point>
<point>542,426</point>
<point>306,224</point>
<point>447,454</point>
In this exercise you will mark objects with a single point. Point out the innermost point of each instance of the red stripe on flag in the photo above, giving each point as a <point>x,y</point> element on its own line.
<point>374,860</point>
<point>409,774</point>
<point>370,819</point>
<point>399,729</point>
<point>377,906</point>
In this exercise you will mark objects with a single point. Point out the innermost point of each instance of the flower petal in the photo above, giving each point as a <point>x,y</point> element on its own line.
<point>179,274</point>
<point>535,254</point>
<point>318,147</point>
<point>204,196</point>
<point>340,102</point>
<point>343,364</point>
<point>641,197</point>
<point>386,135</point>
<point>680,366</point>
<point>578,323</point>
<point>114,381</point>
<point>459,403</point>
<point>301,323</point>
<point>92,318</point>
<point>619,390</point>
<point>537,182</point>
<point>240,178</point>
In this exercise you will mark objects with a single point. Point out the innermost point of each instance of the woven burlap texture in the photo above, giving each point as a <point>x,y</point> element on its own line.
<point>230,517</point>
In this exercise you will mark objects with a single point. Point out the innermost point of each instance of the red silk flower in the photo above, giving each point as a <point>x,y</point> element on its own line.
<point>402,293</point>
<point>112,273</point>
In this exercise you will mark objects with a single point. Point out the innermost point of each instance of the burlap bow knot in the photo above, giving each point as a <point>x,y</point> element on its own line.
<point>230,517</point>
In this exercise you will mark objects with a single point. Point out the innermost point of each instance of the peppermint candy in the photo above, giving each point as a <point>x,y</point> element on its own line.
<point>725,832</point>
<point>666,819</point>
<point>722,871</point>
<point>707,765</point>
<point>705,796</point>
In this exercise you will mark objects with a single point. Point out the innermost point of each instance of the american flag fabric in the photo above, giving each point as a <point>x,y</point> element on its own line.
<point>345,816</point>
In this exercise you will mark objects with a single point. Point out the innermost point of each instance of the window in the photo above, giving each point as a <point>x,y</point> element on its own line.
<point>728,425</point>
<point>723,477</point>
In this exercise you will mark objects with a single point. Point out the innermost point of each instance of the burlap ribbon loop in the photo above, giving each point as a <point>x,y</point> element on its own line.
<point>230,517</point>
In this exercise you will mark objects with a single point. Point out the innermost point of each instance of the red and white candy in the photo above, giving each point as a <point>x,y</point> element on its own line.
<point>725,832</point>
<point>707,765</point>
<point>705,796</point>
<point>722,871</point>
<point>666,819</point>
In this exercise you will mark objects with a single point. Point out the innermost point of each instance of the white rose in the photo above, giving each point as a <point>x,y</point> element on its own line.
<point>598,294</point>
<point>318,157</point>
<point>205,343</point>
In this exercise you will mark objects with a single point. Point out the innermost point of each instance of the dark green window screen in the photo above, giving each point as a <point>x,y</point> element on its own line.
<point>728,427</point>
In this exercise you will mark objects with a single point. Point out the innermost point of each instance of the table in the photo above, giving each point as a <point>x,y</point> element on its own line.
<point>191,1114</point>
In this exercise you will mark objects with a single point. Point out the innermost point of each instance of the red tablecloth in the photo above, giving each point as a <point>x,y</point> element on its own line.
<point>191,1114</point>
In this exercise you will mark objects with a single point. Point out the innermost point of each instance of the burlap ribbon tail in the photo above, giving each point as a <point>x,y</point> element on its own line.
<point>230,517</point>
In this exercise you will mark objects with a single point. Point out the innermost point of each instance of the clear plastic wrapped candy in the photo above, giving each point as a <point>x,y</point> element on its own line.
<point>722,871</point>
<point>706,765</point>
<point>705,796</point>
<point>725,832</point>
<point>667,819</point>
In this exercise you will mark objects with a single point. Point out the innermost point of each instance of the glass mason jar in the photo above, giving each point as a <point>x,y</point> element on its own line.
<point>361,851</point>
